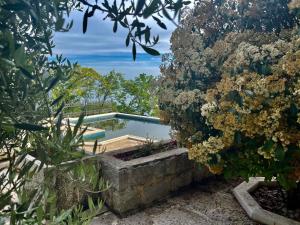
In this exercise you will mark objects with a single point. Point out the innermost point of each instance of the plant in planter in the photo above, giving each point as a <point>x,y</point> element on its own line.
<point>232,89</point>
<point>68,174</point>
<point>147,149</point>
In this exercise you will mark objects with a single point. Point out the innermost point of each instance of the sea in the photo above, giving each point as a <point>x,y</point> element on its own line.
<point>120,62</point>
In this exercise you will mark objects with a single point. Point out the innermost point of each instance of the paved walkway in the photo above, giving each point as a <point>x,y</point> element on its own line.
<point>210,203</point>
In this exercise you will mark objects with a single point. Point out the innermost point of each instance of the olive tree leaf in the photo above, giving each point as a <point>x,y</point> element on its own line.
<point>26,73</point>
<point>115,28</point>
<point>134,51</point>
<point>150,51</point>
<point>151,8</point>
<point>139,6</point>
<point>95,147</point>
<point>57,100</point>
<point>78,124</point>
<point>85,21</point>
<point>161,24</point>
<point>15,6</point>
<point>29,127</point>
<point>53,83</point>
<point>59,110</point>
<point>127,39</point>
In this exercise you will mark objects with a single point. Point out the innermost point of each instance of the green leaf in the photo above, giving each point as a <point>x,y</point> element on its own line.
<point>186,2</point>
<point>29,127</point>
<point>279,152</point>
<point>151,8</point>
<point>139,6</point>
<point>115,28</point>
<point>268,145</point>
<point>85,21</point>
<point>15,7</point>
<point>95,147</point>
<point>26,73</point>
<point>78,124</point>
<point>57,100</point>
<point>127,39</point>
<point>166,14</point>
<point>53,83</point>
<point>134,51</point>
<point>59,110</point>
<point>161,24</point>
<point>150,51</point>
<point>20,56</point>
<point>40,214</point>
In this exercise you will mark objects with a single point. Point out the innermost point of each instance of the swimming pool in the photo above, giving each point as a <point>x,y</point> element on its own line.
<point>112,125</point>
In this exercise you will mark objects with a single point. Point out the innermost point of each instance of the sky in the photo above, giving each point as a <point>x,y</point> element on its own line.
<point>103,50</point>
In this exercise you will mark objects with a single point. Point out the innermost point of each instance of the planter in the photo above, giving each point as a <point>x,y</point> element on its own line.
<point>253,209</point>
<point>137,183</point>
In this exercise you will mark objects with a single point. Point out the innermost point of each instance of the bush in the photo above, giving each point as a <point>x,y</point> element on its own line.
<point>231,87</point>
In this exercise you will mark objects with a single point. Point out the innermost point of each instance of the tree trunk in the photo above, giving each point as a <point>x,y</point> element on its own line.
<point>293,197</point>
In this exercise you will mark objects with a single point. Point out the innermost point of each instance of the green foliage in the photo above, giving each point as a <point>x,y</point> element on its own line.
<point>30,120</point>
<point>139,96</point>
<point>234,65</point>
<point>79,85</point>
<point>85,85</point>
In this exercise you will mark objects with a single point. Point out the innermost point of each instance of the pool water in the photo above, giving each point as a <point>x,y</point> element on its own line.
<point>118,127</point>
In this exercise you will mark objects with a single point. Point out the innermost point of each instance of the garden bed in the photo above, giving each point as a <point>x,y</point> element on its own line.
<point>273,198</point>
<point>255,211</point>
<point>146,150</point>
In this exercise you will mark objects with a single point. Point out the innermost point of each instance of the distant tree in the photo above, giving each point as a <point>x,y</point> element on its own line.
<point>139,95</point>
<point>79,86</point>
<point>109,87</point>
<point>112,90</point>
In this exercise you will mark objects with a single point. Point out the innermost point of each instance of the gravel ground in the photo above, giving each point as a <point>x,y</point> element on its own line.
<point>208,203</point>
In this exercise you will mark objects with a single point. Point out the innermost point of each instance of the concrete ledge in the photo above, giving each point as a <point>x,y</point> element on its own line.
<point>112,115</point>
<point>253,209</point>
<point>104,116</point>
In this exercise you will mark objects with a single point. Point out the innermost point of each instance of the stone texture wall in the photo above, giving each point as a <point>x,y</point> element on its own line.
<point>139,182</point>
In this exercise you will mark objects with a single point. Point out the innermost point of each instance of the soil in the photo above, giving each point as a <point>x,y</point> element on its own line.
<point>148,149</point>
<point>273,198</point>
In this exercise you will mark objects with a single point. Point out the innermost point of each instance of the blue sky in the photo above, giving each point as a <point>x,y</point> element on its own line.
<point>103,50</point>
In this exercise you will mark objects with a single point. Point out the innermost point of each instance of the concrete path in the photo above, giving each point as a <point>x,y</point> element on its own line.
<point>209,203</point>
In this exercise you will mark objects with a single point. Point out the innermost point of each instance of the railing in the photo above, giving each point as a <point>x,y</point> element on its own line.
<point>75,110</point>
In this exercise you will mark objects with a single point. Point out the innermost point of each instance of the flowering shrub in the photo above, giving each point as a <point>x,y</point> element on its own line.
<point>231,87</point>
